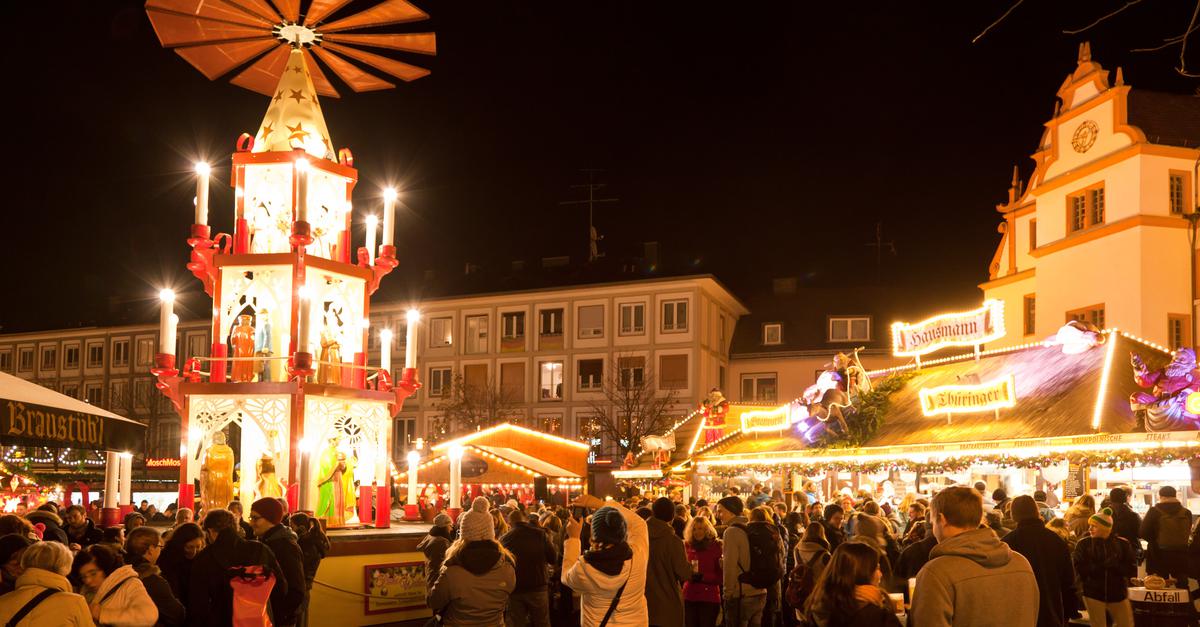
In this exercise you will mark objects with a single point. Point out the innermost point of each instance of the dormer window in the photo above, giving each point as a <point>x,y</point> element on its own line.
<point>849,328</point>
<point>772,334</point>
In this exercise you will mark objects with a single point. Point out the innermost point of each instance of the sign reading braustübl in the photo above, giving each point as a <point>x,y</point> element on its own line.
<point>968,399</point>
<point>27,424</point>
<point>969,328</point>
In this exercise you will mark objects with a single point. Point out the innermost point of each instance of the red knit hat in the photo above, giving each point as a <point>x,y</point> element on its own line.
<point>270,509</point>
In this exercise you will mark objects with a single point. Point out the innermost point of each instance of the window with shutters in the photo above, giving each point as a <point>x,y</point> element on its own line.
<point>633,370</point>
<point>672,372</point>
<point>512,381</point>
<point>590,374</point>
<point>674,316</point>
<point>475,377</point>
<point>591,321</point>
<point>633,318</point>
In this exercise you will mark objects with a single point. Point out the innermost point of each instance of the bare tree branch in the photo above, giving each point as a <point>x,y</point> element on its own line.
<point>1182,69</point>
<point>1000,19</point>
<point>630,409</point>
<point>470,407</point>
<point>1100,19</point>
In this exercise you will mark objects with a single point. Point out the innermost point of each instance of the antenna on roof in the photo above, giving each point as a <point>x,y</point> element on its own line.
<point>879,245</point>
<point>593,238</point>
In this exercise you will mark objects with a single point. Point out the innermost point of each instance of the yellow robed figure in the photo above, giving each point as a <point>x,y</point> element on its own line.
<point>242,339</point>
<point>335,482</point>
<point>268,483</point>
<point>216,487</point>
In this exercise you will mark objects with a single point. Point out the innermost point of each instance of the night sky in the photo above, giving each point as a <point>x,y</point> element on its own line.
<point>752,140</point>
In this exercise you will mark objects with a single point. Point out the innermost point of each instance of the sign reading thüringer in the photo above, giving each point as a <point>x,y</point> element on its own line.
<point>968,399</point>
<point>970,328</point>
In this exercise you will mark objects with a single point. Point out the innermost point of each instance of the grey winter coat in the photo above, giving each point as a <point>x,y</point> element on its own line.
<point>975,580</point>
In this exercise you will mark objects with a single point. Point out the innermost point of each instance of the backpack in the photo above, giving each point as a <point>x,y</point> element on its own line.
<point>251,595</point>
<point>802,580</point>
<point>766,563</point>
<point>1174,530</point>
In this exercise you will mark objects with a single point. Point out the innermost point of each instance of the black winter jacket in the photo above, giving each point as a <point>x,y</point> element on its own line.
<point>1127,524</point>
<point>313,551</point>
<point>211,597</point>
<point>1104,567</point>
<point>170,610</point>
<point>1051,561</point>
<point>286,601</point>
<point>87,536</point>
<point>533,552</point>
<point>54,525</point>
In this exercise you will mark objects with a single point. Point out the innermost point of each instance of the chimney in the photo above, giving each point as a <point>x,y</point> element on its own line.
<point>650,253</point>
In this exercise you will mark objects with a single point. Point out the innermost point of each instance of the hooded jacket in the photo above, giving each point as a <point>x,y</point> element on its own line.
<point>64,609</point>
<point>474,586</point>
<point>286,604</point>
<point>1150,524</point>
<point>1050,559</point>
<point>434,548</point>
<point>170,610</point>
<point>533,552</point>
<point>666,569</point>
<point>53,524</point>
<point>736,556</point>
<point>599,575</point>
<point>915,556</point>
<point>975,580</point>
<point>129,605</point>
<point>1104,567</point>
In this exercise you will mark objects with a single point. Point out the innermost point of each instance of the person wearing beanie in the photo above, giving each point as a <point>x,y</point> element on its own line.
<point>434,546</point>
<point>12,547</point>
<point>668,567</point>
<point>478,575</point>
<point>743,604</point>
<point>1104,562</point>
<point>529,603</point>
<point>612,573</point>
<point>1166,530</point>
<point>266,520</point>
<point>1050,559</point>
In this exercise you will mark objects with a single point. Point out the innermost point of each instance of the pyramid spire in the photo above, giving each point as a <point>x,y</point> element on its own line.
<point>294,118</point>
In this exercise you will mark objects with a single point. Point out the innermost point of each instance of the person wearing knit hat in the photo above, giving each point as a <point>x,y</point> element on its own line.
<point>476,523</point>
<point>478,576</point>
<point>1104,562</point>
<point>266,519</point>
<point>1049,558</point>
<point>442,520</point>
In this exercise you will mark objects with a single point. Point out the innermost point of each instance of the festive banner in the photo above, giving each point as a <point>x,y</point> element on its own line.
<point>969,328</point>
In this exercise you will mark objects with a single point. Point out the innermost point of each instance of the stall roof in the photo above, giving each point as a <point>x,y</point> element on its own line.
<point>1057,395</point>
<point>528,461</point>
<point>36,416</point>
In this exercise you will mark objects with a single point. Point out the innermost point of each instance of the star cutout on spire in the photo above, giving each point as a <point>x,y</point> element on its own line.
<point>296,94</point>
<point>297,132</point>
<point>266,131</point>
<point>296,68</point>
<point>278,96</point>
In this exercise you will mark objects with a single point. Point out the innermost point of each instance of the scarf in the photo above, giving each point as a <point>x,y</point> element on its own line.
<point>610,558</point>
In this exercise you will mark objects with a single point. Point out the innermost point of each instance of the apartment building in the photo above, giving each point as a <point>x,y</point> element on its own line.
<point>549,351</point>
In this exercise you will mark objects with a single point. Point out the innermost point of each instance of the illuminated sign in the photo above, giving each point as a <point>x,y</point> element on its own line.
<point>970,328</point>
<point>969,399</point>
<point>162,462</point>
<point>776,419</point>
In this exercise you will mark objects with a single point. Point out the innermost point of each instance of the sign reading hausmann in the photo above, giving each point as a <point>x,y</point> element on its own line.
<point>969,328</point>
<point>51,426</point>
<point>966,399</point>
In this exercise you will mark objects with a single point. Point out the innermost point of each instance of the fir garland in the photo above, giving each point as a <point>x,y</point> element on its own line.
<point>1117,460</point>
<point>865,416</point>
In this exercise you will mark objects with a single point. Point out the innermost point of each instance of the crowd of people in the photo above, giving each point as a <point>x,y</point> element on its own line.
<point>965,556</point>
<point>59,567</point>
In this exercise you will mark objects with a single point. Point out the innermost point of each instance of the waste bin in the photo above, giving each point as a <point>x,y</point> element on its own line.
<point>1170,607</point>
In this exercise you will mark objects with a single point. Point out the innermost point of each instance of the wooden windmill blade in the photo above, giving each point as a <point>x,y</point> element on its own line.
<point>220,36</point>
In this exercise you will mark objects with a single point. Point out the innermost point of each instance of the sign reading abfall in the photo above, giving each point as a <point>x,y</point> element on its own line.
<point>969,328</point>
<point>968,399</point>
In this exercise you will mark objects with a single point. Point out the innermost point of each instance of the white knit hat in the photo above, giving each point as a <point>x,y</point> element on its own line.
<point>476,523</point>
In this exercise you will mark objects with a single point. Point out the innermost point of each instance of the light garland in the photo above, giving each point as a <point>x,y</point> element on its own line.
<point>467,439</point>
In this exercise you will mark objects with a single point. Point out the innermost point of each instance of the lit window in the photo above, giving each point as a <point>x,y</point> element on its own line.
<point>550,380</point>
<point>675,316</point>
<point>850,329</point>
<point>441,332</point>
<point>760,388</point>
<point>772,334</point>
<point>476,341</point>
<point>633,318</point>
<point>145,351</point>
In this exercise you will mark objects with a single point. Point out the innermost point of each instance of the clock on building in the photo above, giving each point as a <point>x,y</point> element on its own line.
<point>1085,136</point>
